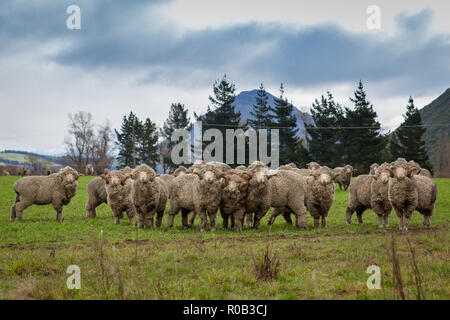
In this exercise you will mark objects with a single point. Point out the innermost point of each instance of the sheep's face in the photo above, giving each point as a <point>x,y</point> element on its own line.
<point>313,165</point>
<point>402,169</point>
<point>237,182</point>
<point>209,174</point>
<point>143,174</point>
<point>68,175</point>
<point>383,173</point>
<point>348,168</point>
<point>323,176</point>
<point>115,178</point>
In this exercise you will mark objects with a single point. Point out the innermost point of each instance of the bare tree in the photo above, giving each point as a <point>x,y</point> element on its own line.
<point>85,144</point>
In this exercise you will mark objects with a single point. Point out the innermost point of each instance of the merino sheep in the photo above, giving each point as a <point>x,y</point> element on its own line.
<point>280,189</point>
<point>370,192</point>
<point>180,170</point>
<point>241,167</point>
<point>420,171</point>
<point>56,189</point>
<point>319,196</point>
<point>96,190</point>
<point>200,192</point>
<point>234,195</point>
<point>118,187</point>
<point>313,165</point>
<point>149,195</point>
<point>89,170</point>
<point>23,171</point>
<point>343,176</point>
<point>408,192</point>
<point>373,167</point>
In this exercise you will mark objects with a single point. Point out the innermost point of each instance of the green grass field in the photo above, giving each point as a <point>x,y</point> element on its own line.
<point>320,263</point>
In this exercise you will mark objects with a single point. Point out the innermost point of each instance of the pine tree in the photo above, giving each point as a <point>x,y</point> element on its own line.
<point>261,111</point>
<point>127,140</point>
<point>147,149</point>
<point>407,140</point>
<point>286,121</point>
<point>178,119</point>
<point>363,142</point>
<point>221,114</point>
<point>323,138</point>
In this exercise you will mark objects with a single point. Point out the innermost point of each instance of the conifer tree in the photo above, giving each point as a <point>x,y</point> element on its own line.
<point>286,121</point>
<point>147,149</point>
<point>127,140</point>
<point>406,141</point>
<point>178,119</point>
<point>363,141</point>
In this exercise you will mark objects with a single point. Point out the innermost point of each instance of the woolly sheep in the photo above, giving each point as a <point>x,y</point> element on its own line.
<point>343,176</point>
<point>22,171</point>
<point>313,165</point>
<point>56,189</point>
<point>96,190</point>
<point>319,196</point>
<point>200,192</point>
<point>408,192</point>
<point>279,189</point>
<point>149,195</point>
<point>118,187</point>
<point>373,167</point>
<point>89,171</point>
<point>370,192</point>
<point>234,195</point>
<point>421,171</point>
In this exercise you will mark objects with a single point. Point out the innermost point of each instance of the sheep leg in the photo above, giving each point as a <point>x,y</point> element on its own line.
<point>13,208</point>
<point>91,208</point>
<point>380,221</point>
<point>224,219</point>
<point>399,213</point>
<point>287,217</point>
<point>238,217</point>
<point>191,221</point>
<point>359,216</point>
<point>349,212</point>
<point>426,220</point>
<point>249,219</point>
<point>173,210</point>
<point>212,220</point>
<point>131,213</point>
<point>231,222</point>
<point>149,219</point>
<point>340,186</point>
<point>406,219</point>
<point>159,217</point>
<point>184,218</point>
<point>19,207</point>
<point>58,209</point>
<point>275,213</point>
<point>324,221</point>
<point>202,214</point>
<point>386,219</point>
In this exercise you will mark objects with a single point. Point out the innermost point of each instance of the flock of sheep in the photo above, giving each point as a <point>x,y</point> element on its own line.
<point>238,194</point>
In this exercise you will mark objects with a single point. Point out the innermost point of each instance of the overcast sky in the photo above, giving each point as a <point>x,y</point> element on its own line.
<point>144,55</point>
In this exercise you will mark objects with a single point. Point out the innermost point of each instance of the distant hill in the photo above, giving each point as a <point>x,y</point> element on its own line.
<point>437,137</point>
<point>15,157</point>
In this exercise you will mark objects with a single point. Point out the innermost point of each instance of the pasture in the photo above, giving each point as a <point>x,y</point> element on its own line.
<point>126,263</point>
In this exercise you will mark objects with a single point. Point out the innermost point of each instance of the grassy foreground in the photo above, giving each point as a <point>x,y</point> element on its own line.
<point>326,263</point>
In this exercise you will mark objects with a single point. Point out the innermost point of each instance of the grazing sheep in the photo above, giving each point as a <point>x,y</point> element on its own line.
<point>149,195</point>
<point>200,192</point>
<point>96,190</point>
<point>313,165</point>
<point>89,170</point>
<point>6,173</point>
<point>56,189</point>
<point>233,202</point>
<point>343,176</point>
<point>421,171</point>
<point>280,189</point>
<point>319,196</point>
<point>118,187</point>
<point>23,171</point>
<point>370,192</point>
<point>373,167</point>
<point>408,192</point>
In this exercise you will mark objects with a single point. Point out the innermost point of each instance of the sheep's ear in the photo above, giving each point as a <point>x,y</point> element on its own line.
<point>243,186</point>
<point>272,173</point>
<point>411,170</point>
<point>80,175</point>
<point>105,177</point>
<point>245,175</point>
<point>60,177</point>
<point>198,174</point>
<point>125,178</point>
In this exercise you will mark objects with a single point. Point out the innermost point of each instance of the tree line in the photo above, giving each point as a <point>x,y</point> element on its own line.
<point>339,135</point>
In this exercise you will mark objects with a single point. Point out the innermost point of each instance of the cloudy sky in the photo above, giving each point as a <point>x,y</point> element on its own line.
<point>144,55</point>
